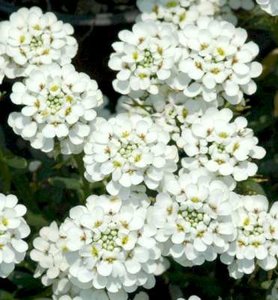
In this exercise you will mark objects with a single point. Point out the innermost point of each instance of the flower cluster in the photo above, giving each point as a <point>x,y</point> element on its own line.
<point>257,236</point>
<point>128,150</point>
<point>31,38</point>
<point>170,159</point>
<point>144,58</point>
<point>270,6</point>
<point>13,229</point>
<point>58,106</point>
<point>49,252</point>
<point>171,110</point>
<point>221,146</point>
<point>103,248</point>
<point>210,59</point>
<point>217,61</point>
<point>183,12</point>
<point>193,220</point>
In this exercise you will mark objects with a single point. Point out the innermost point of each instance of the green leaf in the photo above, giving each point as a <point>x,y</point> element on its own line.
<point>14,161</point>
<point>266,284</point>
<point>250,187</point>
<point>67,183</point>
<point>6,296</point>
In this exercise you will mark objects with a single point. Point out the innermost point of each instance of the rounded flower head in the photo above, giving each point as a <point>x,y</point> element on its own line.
<point>221,145</point>
<point>110,246</point>
<point>58,108</point>
<point>257,236</point>
<point>144,57</point>
<point>193,220</point>
<point>128,150</point>
<point>179,13</point>
<point>13,229</point>
<point>217,61</point>
<point>32,38</point>
<point>270,6</point>
<point>50,250</point>
<point>183,12</point>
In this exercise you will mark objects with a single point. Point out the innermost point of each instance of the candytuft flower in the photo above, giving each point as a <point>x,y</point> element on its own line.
<point>182,12</point>
<point>217,61</point>
<point>256,239</point>
<point>144,58</point>
<point>221,145</point>
<point>58,108</point>
<point>129,150</point>
<point>193,220</point>
<point>110,246</point>
<point>31,38</point>
<point>13,229</point>
<point>270,6</point>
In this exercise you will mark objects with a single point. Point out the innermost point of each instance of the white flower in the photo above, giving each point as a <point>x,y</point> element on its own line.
<point>270,6</point>
<point>218,61</point>
<point>3,61</point>
<point>34,166</point>
<point>13,229</point>
<point>128,150</point>
<point>257,236</point>
<point>193,297</point>
<point>58,108</point>
<point>178,12</point>
<point>31,39</point>
<point>221,145</point>
<point>110,246</point>
<point>169,109</point>
<point>49,252</point>
<point>183,12</point>
<point>144,58</point>
<point>194,224</point>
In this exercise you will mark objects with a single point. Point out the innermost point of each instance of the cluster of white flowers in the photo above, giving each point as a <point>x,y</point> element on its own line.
<point>182,12</point>
<point>144,58</point>
<point>128,150</point>
<point>257,236</point>
<point>103,249</point>
<point>221,146</point>
<point>270,6</point>
<point>217,61</point>
<point>31,38</point>
<point>210,58</point>
<point>58,106</point>
<point>193,220</point>
<point>170,159</point>
<point>169,109</point>
<point>50,250</point>
<point>13,229</point>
